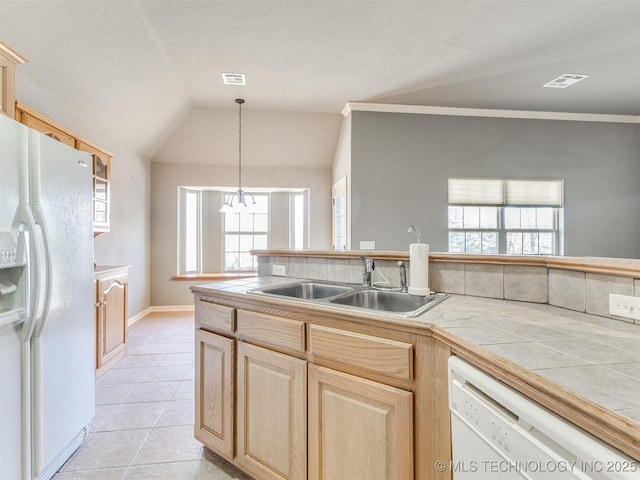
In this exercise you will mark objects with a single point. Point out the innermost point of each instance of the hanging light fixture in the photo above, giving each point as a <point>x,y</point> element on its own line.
<point>239,201</point>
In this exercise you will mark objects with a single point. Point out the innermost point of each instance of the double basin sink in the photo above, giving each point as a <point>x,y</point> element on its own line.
<point>355,296</point>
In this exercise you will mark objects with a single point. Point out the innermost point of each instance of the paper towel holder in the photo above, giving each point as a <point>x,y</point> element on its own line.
<point>412,228</point>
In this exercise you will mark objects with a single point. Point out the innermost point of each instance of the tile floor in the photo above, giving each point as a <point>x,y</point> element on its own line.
<point>143,426</point>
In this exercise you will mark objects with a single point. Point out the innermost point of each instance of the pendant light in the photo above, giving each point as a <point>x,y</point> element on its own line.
<point>239,201</point>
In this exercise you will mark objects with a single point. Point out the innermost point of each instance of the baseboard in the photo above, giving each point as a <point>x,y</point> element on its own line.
<point>162,308</point>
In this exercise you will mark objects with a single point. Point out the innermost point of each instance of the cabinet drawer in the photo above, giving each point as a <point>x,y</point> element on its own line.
<point>215,317</point>
<point>275,331</point>
<point>374,354</point>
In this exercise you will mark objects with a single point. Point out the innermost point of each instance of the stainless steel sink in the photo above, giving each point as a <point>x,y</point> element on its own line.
<point>396,302</point>
<point>355,296</point>
<point>308,290</point>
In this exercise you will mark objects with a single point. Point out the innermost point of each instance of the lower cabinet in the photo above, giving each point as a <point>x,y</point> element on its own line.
<point>214,392</point>
<point>111,316</point>
<point>270,405</point>
<point>358,428</point>
<point>272,413</point>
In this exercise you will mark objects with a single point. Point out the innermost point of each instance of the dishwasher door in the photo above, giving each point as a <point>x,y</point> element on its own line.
<point>499,434</point>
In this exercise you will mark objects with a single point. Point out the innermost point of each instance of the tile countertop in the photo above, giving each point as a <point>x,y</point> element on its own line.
<point>594,357</point>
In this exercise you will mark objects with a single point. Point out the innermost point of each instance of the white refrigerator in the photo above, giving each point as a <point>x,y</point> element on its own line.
<point>47,339</point>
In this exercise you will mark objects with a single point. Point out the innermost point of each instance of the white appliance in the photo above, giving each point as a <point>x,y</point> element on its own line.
<point>47,341</point>
<point>499,434</point>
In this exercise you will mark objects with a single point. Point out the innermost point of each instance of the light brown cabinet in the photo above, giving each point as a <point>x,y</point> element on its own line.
<point>110,317</point>
<point>315,400</point>
<point>271,414</point>
<point>101,185</point>
<point>215,371</point>
<point>358,428</point>
<point>8,61</point>
<point>101,160</point>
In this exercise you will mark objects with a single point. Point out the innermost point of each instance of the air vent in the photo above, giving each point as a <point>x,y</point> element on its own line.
<point>566,80</point>
<point>234,79</point>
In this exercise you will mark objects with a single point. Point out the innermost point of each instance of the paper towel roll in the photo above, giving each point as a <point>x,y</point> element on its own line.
<point>419,269</point>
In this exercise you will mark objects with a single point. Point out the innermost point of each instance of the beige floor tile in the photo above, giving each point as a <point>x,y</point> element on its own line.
<point>151,392</point>
<point>185,391</point>
<point>108,449</point>
<point>148,349</point>
<point>190,470</point>
<point>191,373</point>
<point>169,444</point>
<point>133,415</point>
<point>186,347</point>
<point>102,413</point>
<point>177,412</point>
<point>186,358</point>
<point>166,373</point>
<point>112,394</point>
<point>102,474</point>
<point>123,375</point>
<point>140,361</point>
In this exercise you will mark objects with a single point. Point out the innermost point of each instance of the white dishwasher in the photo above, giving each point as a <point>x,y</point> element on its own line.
<point>499,434</point>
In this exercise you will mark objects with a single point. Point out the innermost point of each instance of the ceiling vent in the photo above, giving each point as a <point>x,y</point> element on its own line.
<point>234,79</point>
<point>566,80</point>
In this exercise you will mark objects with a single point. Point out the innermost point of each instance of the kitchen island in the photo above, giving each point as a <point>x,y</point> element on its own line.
<point>333,366</point>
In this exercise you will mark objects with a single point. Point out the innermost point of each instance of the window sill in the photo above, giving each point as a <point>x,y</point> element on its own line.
<point>212,276</point>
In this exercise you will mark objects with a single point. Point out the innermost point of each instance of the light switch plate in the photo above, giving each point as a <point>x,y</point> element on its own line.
<point>279,270</point>
<point>367,245</point>
<point>624,306</point>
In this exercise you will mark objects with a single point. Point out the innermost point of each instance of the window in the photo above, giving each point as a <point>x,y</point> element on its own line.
<point>298,216</point>
<point>518,217</point>
<point>189,237</point>
<point>339,214</point>
<point>212,242</point>
<point>244,232</point>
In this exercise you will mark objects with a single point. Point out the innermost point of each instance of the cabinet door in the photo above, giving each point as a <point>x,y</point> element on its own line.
<point>358,429</point>
<point>272,413</point>
<point>112,318</point>
<point>214,392</point>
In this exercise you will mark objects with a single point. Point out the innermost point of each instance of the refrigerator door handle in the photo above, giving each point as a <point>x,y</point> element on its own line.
<point>40,320</point>
<point>39,217</point>
<point>25,220</point>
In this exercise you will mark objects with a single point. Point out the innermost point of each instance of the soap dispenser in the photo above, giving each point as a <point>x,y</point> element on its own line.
<point>418,266</point>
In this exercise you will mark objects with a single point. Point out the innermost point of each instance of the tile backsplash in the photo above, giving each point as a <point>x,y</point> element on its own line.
<point>570,289</point>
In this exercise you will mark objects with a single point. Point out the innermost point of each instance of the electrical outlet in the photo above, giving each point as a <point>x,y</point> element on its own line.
<point>367,245</point>
<point>624,306</point>
<point>279,270</point>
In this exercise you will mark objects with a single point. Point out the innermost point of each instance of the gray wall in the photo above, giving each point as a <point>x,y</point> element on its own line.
<point>167,177</point>
<point>400,164</point>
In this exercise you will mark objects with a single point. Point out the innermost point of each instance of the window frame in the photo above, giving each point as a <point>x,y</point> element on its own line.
<point>183,261</point>
<point>240,233</point>
<point>496,193</point>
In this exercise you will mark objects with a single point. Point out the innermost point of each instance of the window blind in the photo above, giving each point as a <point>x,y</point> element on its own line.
<point>499,192</point>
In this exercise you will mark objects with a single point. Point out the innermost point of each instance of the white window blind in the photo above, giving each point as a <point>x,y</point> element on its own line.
<point>492,191</point>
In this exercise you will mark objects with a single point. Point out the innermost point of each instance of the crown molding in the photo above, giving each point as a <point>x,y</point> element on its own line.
<point>11,54</point>
<point>485,112</point>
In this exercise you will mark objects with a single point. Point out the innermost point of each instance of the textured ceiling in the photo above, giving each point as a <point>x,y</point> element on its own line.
<point>134,68</point>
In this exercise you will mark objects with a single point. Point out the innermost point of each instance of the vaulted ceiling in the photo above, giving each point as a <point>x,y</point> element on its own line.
<point>134,68</point>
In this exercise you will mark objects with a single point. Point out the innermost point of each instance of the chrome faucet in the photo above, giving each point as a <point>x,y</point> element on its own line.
<point>403,277</point>
<point>368,267</point>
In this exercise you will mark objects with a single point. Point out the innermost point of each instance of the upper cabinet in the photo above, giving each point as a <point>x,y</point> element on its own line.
<point>101,160</point>
<point>101,179</point>
<point>8,61</point>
